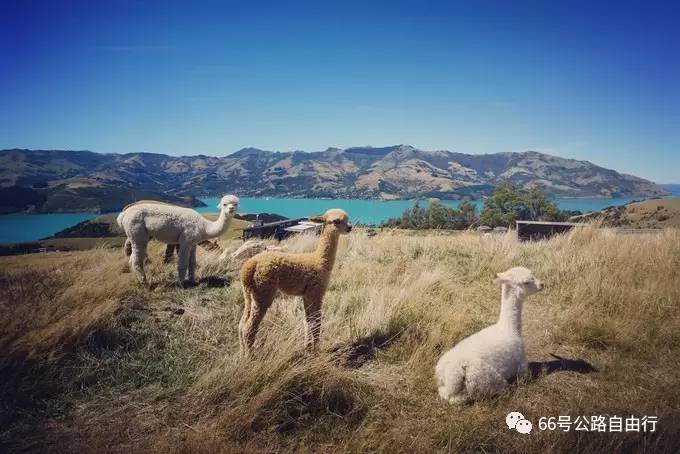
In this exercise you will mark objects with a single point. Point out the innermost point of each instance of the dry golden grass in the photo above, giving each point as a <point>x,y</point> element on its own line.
<point>93,362</point>
<point>655,213</point>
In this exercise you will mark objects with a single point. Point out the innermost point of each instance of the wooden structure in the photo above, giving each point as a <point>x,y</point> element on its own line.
<point>540,230</point>
<point>305,227</point>
<point>280,229</point>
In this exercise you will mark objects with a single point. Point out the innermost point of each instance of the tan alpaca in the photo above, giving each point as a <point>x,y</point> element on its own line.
<point>303,275</point>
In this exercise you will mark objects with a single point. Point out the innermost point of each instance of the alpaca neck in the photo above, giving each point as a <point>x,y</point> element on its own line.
<point>328,246</point>
<point>215,228</point>
<point>511,309</point>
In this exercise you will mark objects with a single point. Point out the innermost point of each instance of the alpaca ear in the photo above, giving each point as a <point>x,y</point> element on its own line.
<point>318,218</point>
<point>501,279</point>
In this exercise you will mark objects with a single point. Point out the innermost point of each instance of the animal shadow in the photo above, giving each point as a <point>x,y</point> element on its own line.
<point>559,364</point>
<point>215,281</point>
<point>209,282</point>
<point>362,350</point>
<point>205,282</point>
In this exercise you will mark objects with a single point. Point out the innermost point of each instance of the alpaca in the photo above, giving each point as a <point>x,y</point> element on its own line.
<point>170,249</point>
<point>305,275</point>
<point>172,225</point>
<point>250,249</point>
<point>481,364</point>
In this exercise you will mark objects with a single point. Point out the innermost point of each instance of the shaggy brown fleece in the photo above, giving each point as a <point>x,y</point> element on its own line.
<point>303,275</point>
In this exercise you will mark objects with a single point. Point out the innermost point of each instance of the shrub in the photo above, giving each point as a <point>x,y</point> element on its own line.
<point>509,204</point>
<point>436,216</point>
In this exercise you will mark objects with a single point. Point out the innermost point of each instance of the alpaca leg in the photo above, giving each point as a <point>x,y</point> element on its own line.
<point>137,257</point>
<point>247,301</point>
<point>258,308</point>
<point>523,371</point>
<point>191,271</point>
<point>451,384</point>
<point>128,251</point>
<point>183,262</point>
<point>312,305</point>
<point>169,253</point>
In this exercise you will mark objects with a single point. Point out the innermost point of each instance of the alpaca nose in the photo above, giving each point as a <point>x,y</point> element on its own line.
<point>539,284</point>
<point>349,228</point>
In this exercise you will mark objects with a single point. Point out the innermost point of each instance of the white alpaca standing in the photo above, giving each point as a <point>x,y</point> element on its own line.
<point>172,225</point>
<point>481,364</point>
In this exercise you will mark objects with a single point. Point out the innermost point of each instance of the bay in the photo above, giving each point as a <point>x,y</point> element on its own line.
<point>19,227</point>
<point>376,211</point>
<point>16,228</point>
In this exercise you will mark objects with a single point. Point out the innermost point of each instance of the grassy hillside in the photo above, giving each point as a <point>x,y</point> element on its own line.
<point>101,232</point>
<point>92,362</point>
<point>105,226</point>
<point>82,195</point>
<point>649,214</point>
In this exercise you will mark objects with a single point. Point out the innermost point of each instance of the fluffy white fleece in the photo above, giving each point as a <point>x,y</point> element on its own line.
<point>481,364</point>
<point>172,225</point>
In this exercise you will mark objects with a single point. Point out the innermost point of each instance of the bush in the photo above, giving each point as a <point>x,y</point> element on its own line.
<point>435,216</point>
<point>509,204</point>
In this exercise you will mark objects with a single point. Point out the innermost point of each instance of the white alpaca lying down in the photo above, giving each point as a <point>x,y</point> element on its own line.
<point>481,364</point>
<point>250,249</point>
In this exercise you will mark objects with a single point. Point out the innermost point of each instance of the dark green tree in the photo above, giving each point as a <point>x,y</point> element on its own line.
<point>435,216</point>
<point>509,204</point>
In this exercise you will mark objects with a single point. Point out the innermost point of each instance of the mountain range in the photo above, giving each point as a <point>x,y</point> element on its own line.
<point>56,180</point>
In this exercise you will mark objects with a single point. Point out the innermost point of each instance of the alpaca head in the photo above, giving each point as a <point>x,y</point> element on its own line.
<point>228,204</point>
<point>335,219</point>
<point>521,279</point>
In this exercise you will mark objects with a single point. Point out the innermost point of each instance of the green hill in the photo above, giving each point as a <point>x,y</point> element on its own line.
<point>648,214</point>
<point>82,195</point>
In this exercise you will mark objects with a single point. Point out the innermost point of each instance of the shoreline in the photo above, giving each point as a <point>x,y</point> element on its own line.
<point>417,199</point>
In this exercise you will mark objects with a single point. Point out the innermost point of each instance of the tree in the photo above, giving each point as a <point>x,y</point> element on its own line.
<point>435,216</point>
<point>509,204</point>
<point>468,214</point>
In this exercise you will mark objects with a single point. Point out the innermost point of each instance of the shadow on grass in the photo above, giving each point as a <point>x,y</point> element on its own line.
<point>559,364</point>
<point>204,282</point>
<point>215,281</point>
<point>359,352</point>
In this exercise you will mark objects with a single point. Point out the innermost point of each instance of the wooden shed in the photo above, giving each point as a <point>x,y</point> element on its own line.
<point>279,229</point>
<point>539,230</point>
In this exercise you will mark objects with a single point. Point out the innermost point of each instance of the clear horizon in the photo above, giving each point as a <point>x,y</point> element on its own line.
<point>589,82</point>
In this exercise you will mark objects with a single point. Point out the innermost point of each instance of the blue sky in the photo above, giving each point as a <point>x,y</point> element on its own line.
<point>590,82</point>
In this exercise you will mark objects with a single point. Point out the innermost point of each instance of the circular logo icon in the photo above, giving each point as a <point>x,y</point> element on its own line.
<point>512,419</point>
<point>523,426</point>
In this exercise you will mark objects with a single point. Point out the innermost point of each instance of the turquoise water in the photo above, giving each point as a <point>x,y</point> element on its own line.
<point>15,228</point>
<point>376,211</point>
<point>30,227</point>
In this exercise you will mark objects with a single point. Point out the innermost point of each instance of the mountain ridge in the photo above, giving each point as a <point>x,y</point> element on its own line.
<point>391,172</point>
